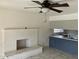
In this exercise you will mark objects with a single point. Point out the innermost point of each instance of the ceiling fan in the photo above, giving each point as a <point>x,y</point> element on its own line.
<point>49,5</point>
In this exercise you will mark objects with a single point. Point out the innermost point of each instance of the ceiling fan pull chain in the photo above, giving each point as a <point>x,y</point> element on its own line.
<point>45,20</point>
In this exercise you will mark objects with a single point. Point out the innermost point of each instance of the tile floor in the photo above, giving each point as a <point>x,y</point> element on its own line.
<point>49,53</point>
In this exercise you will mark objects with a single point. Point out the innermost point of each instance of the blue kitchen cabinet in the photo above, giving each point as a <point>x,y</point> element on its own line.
<point>68,46</point>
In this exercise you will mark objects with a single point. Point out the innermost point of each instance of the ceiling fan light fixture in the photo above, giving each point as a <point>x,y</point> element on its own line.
<point>41,11</point>
<point>44,10</point>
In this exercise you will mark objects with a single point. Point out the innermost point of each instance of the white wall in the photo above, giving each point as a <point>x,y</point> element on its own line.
<point>9,18</point>
<point>65,24</point>
<point>1,45</point>
<point>12,18</point>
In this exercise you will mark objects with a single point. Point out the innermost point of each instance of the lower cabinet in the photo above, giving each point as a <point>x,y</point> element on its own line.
<point>64,45</point>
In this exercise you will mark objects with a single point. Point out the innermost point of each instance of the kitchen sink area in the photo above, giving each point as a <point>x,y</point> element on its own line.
<point>64,40</point>
<point>65,34</point>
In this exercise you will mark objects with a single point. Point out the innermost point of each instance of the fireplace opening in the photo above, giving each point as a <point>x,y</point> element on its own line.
<point>24,43</point>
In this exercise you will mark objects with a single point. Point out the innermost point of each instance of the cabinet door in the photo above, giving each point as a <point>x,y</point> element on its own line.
<point>56,43</point>
<point>51,42</point>
<point>70,47</point>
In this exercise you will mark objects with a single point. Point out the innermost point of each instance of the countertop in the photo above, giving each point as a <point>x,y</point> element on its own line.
<point>62,37</point>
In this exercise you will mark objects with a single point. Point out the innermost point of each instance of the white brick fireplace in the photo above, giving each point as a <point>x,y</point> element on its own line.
<point>16,41</point>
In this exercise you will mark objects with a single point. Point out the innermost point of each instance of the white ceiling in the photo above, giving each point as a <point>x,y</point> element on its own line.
<point>20,4</point>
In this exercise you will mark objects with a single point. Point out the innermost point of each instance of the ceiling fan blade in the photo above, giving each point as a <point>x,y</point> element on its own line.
<point>64,5</point>
<point>31,7</point>
<point>60,5</point>
<point>59,11</point>
<point>38,2</point>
